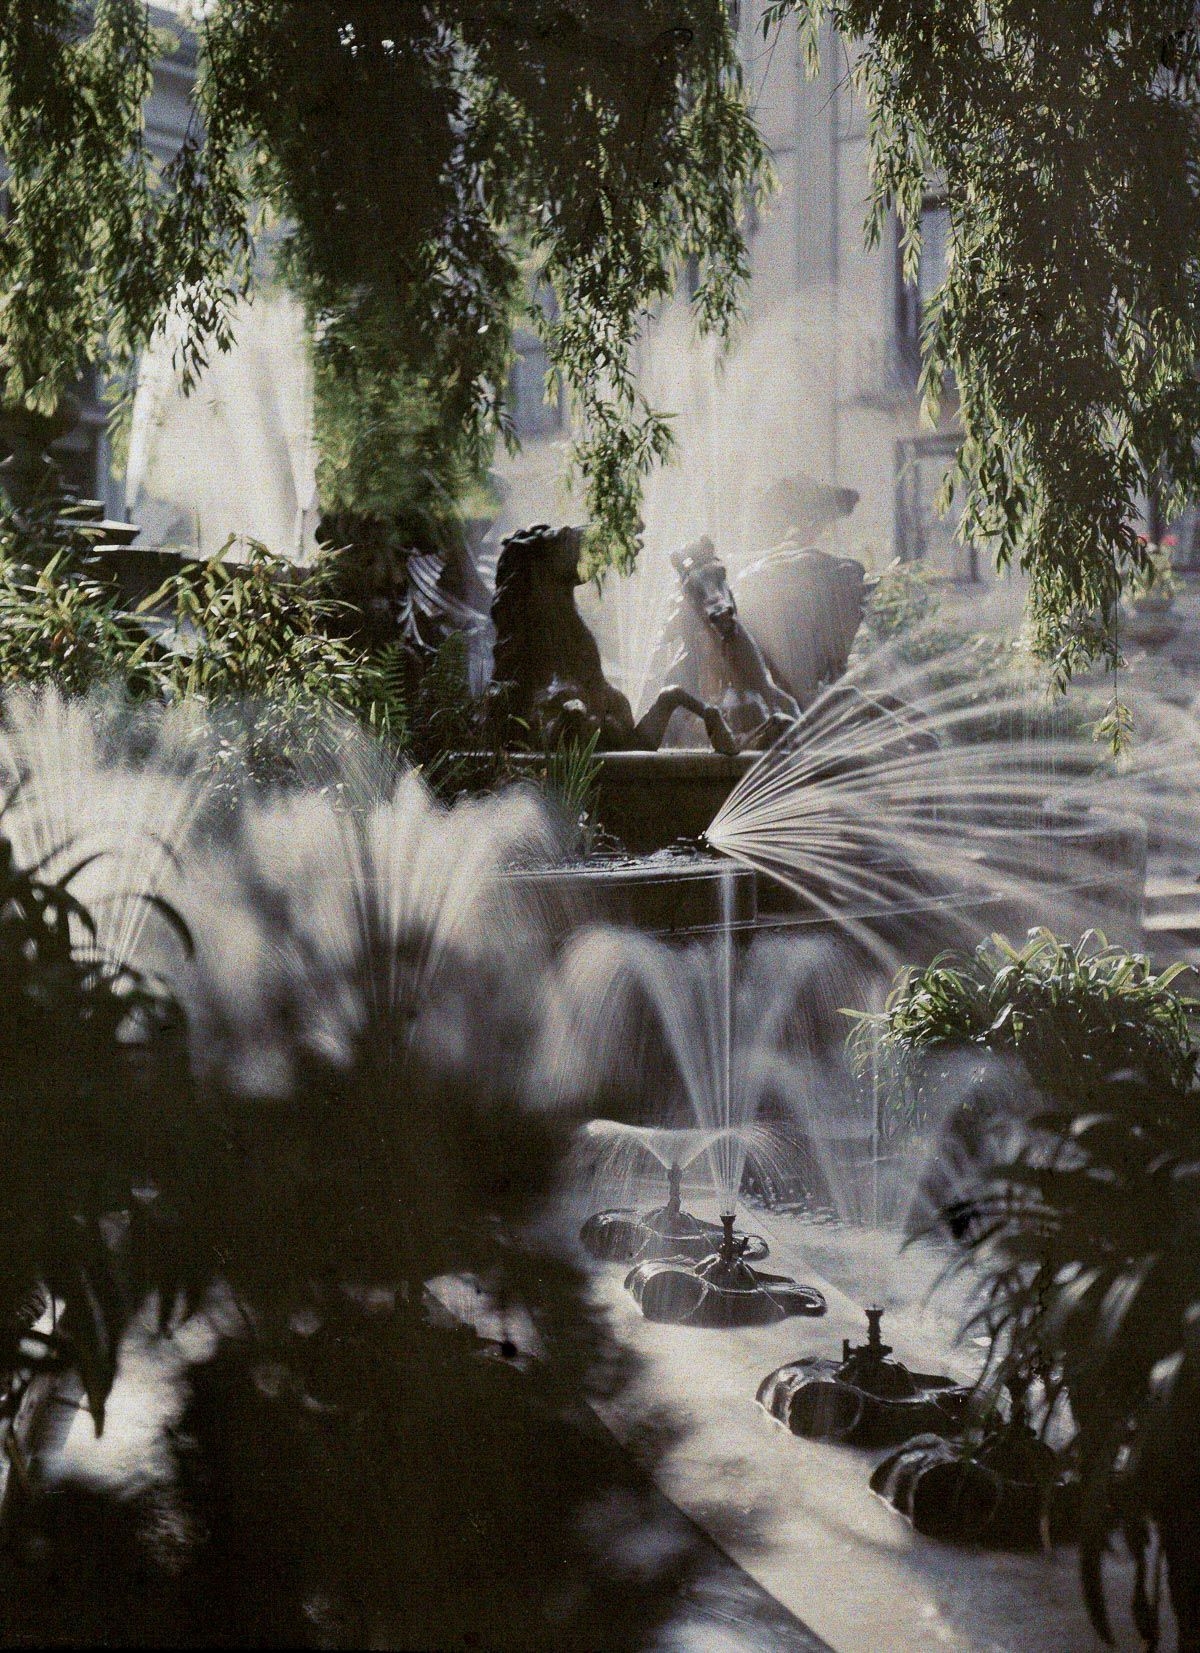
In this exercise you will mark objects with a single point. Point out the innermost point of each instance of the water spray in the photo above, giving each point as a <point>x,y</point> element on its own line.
<point>622,1235</point>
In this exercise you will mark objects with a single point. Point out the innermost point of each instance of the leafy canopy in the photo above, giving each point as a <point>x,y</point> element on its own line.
<point>425,160</point>
<point>1063,136</point>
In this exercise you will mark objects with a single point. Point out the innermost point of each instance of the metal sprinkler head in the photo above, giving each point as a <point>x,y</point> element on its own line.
<point>625,1235</point>
<point>874,1349</point>
<point>674,1189</point>
<point>721,1289</point>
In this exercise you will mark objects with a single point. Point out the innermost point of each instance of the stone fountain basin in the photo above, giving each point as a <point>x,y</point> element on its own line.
<point>651,799</point>
<point>672,893</point>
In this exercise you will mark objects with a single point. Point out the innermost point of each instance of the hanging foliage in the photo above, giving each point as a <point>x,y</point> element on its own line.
<point>426,160</point>
<point>1062,135</point>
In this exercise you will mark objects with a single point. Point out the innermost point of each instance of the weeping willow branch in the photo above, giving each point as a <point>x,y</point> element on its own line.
<point>1064,138</point>
<point>422,159</point>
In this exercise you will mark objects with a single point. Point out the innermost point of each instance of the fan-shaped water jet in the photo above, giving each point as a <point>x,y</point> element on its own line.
<point>622,1234</point>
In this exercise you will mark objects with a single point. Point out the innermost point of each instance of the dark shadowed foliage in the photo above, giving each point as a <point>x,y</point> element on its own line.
<point>88,1140</point>
<point>358,1464</point>
<point>1078,1203</point>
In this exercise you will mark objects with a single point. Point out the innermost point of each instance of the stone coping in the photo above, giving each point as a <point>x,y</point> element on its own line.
<point>668,763</point>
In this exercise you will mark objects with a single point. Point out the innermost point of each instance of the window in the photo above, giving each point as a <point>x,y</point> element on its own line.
<point>532,414</point>
<point>921,534</point>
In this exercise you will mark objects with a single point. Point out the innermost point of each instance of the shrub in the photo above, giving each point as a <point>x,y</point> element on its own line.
<point>58,625</point>
<point>903,599</point>
<point>1081,1217</point>
<point>1073,1015</point>
<point>250,638</point>
<point>82,1144</point>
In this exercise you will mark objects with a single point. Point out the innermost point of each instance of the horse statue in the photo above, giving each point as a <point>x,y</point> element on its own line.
<point>548,680</point>
<point>717,659</point>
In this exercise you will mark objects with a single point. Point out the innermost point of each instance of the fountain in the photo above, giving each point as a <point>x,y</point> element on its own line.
<point>721,1290</point>
<point>894,796</point>
<point>623,1235</point>
<point>549,685</point>
<point>716,683</point>
<point>323,924</point>
<point>909,831</point>
<point>1003,1485</point>
<point>720,1039</point>
<point>866,1398</point>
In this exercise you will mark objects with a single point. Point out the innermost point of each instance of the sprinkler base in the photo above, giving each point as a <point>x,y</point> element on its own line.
<point>1007,1490</point>
<point>866,1398</point>
<point>627,1236</point>
<point>722,1290</point>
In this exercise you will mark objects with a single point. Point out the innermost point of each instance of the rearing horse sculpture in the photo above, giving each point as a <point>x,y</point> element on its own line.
<point>548,673</point>
<point>718,660</point>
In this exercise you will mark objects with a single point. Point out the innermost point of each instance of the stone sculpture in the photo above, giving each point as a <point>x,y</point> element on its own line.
<point>804,607</point>
<point>549,684</point>
<point>798,509</point>
<point>717,659</point>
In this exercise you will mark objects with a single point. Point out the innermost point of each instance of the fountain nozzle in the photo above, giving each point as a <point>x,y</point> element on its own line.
<point>674,1190</point>
<point>875,1349</point>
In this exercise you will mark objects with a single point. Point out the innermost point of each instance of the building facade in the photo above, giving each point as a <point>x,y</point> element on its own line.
<point>821,380</point>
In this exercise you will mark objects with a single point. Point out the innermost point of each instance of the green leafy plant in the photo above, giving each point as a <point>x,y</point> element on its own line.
<point>1072,1014</point>
<point>439,169</point>
<point>1085,1235</point>
<point>60,625</point>
<point>1078,1214</point>
<point>255,644</point>
<point>82,1146</point>
<point>903,598</point>
<point>429,698</point>
<point>386,694</point>
<point>572,783</point>
<point>251,625</point>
